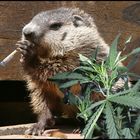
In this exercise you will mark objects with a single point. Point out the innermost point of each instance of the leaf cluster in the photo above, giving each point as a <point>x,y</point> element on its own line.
<point>115,116</point>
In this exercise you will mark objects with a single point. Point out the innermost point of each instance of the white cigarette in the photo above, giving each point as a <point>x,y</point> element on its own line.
<point>8,58</point>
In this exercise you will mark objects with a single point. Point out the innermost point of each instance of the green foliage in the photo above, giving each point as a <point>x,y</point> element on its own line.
<point>108,114</point>
<point>127,133</point>
<point>112,129</point>
<point>88,131</point>
<point>127,100</point>
<point>113,57</point>
<point>137,124</point>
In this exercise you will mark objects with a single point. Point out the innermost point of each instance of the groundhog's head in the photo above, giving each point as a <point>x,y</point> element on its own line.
<point>55,32</point>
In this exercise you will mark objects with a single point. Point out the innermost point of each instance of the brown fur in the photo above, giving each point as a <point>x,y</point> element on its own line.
<point>49,51</point>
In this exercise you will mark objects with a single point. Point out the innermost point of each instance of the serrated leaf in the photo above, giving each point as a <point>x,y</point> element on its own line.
<point>131,91</point>
<point>92,106</point>
<point>136,86</point>
<point>89,128</point>
<point>137,125</point>
<point>113,53</point>
<point>120,93</point>
<point>112,129</point>
<point>127,133</point>
<point>126,100</point>
<point>134,90</point>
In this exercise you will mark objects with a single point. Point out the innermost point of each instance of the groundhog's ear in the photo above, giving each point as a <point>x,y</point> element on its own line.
<point>78,21</point>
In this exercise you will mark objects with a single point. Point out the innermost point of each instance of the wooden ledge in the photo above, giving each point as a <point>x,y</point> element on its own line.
<point>17,132</point>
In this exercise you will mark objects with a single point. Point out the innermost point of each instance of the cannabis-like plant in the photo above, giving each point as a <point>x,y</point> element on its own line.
<point>115,114</point>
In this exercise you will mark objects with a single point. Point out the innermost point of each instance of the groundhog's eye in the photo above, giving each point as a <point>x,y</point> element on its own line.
<point>55,26</point>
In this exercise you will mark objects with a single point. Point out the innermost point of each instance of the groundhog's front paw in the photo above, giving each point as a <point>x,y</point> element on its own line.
<point>27,50</point>
<point>39,128</point>
<point>36,129</point>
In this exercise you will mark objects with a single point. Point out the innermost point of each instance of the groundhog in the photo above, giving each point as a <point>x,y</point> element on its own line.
<point>50,43</point>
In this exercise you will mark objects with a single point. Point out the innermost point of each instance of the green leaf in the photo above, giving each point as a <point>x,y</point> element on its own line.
<point>94,55</point>
<point>127,133</point>
<point>69,84</point>
<point>112,128</point>
<point>120,93</point>
<point>113,53</point>
<point>60,76</point>
<point>117,59</point>
<point>133,61</point>
<point>84,68</point>
<point>73,82</point>
<point>131,91</point>
<point>72,99</point>
<point>122,58</point>
<point>135,89</point>
<point>135,51</point>
<point>83,104</point>
<point>89,128</point>
<point>68,75</point>
<point>137,86</point>
<point>122,69</point>
<point>135,76</point>
<point>137,125</point>
<point>76,76</point>
<point>85,59</point>
<point>92,106</point>
<point>114,74</point>
<point>126,100</point>
<point>128,40</point>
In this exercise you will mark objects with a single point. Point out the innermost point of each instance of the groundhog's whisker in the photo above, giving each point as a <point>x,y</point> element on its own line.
<point>8,58</point>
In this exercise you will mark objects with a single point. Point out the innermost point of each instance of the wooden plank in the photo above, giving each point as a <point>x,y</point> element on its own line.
<point>17,132</point>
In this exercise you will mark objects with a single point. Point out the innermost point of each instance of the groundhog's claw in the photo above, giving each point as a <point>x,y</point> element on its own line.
<point>77,131</point>
<point>36,129</point>
<point>27,50</point>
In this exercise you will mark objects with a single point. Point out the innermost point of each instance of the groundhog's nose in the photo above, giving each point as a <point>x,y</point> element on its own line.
<point>29,31</point>
<point>28,34</point>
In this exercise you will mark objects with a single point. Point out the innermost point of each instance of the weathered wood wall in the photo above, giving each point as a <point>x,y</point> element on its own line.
<point>110,17</point>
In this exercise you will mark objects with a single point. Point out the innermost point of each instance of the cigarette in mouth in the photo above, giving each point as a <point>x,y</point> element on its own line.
<point>8,58</point>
